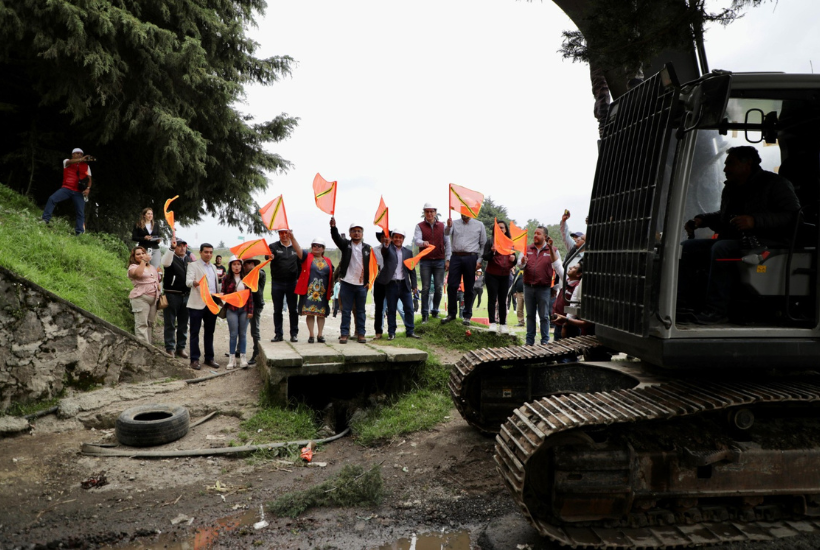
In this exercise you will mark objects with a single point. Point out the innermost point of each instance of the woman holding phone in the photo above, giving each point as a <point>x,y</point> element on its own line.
<point>145,294</point>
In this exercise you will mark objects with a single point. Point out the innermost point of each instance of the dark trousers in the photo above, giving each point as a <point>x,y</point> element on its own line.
<point>280,292</point>
<point>64,194</point>
<point>175,317</point>
<point>478,293</point>
<point>696,255</point>
<point>431,269</point>
<point>397,292</point>
<point>461,266</point>
<point>497,287</point>
<point>537,300</point>
<point>379,295</point>
<point>254,323</point>
<point>199,317</point>
<point>351,295</point>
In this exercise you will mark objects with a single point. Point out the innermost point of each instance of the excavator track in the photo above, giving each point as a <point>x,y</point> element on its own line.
<point>466,374</point>
<point>543,424</point>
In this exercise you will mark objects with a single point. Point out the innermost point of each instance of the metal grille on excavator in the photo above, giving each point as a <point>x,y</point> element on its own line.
<point>625,208</point>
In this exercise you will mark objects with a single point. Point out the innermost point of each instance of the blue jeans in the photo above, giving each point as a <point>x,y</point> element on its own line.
<point>537,299</point>
<point>238,327</point>
<point>396,292</point>
<point>349,295</point>
<point>434,269</point>
<point>461,266</point>
<point>199,317</point>
<point>63,194</point>
<point>176,321</point>
<point>280,292</point>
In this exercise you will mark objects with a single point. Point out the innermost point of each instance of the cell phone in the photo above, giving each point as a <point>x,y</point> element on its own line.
<point>566,212</point>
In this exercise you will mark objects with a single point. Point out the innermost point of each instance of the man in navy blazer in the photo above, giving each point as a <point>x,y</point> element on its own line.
<point>401,283</point>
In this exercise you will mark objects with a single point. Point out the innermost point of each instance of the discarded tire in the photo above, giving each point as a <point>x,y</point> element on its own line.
<point>150,425</point>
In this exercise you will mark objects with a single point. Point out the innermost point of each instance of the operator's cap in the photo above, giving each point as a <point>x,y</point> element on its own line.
<point>318,241</point>
<point>576,235</point>
<point>180,240</point>
<point>429,206</point>
<point>76,150</point>
<point>286,229</point>
<point>355,224</point>
<point>255,261</point>
<point>399,232</point>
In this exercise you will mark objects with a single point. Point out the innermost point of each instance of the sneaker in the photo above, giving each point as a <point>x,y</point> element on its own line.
<point>520,324</point>
<point>243,361</point>
<point>711,317</point>
<point>503,329</point>
<point>493,327</point>
<point>434,315</point>
<point>391,336</point>
<point>231,363</point>
<point>465,322</point>
<point>424,320</point>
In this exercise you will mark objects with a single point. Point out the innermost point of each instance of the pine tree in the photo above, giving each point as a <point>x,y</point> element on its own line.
<point>150,88</point>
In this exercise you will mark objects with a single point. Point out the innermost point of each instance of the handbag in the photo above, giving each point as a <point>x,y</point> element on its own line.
<point>223,313</point>
<point>162,303</point>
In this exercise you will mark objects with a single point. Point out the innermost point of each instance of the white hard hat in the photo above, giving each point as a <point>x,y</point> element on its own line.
<point>317,240</point>
<point>399,232</point>
<point>234,258</point>
<point>429,206</point>
<point>355,224</point>
<point>76,150</point>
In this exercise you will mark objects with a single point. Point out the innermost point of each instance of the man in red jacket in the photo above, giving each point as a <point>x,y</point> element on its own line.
<point>429,232</point>
<point>76,186</point>
<point>537,264</point>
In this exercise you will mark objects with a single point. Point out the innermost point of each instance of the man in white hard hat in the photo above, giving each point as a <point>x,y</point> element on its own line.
<point>401,283</point>
<point>430,232</point>
<point>76,186</point>
<point>354,275</point>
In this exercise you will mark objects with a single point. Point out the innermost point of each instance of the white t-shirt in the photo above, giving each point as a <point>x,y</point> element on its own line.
<point>355,269</point>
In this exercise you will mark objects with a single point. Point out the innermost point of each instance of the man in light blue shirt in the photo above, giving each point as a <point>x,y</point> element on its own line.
<point>467,239</point>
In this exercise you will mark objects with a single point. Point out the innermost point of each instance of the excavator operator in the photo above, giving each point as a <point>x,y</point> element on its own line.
<point>757,210</point>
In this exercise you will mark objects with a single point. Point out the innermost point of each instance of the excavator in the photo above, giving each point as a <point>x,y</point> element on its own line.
<point>672,433</point>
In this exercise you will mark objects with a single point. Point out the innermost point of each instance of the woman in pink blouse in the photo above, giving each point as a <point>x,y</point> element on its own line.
<point>145,294</point>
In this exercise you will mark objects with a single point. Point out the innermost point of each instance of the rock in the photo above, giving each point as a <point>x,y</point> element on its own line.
<point>68,408</point>
<point>11,425</point>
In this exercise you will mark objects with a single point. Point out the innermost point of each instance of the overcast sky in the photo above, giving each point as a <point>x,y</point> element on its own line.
<point>401,99</point>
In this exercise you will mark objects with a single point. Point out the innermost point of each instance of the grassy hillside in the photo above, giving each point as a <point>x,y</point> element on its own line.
<point>89,270</point>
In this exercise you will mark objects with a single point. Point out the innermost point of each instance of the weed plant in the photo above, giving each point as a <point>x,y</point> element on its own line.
<point>89,271</point>
<point>353,486</point>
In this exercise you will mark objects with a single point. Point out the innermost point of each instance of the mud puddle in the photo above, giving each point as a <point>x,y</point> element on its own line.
<point>459,540</point>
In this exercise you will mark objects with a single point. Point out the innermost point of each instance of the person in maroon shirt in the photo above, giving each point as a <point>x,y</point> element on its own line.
<point>537,264</point>
<point>497,279</point>
<point>76,186</point>
<point>428,232</point>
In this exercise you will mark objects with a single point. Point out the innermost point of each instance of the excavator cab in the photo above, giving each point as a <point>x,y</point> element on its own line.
<point>660,164</point>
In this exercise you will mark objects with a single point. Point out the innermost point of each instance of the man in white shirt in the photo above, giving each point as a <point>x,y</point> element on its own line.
<point>401,283</point>
<point>198,312</point>
<point>354,275</point>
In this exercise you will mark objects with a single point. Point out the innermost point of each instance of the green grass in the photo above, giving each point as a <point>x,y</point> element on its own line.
<point>417,410</point>
<point>352,486</point>
<point>89,271</point>
<point>452,336</point>
<point>278,424</point>
<point>25,409</point>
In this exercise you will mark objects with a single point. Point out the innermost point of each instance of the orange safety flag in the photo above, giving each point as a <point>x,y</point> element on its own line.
<point>324,193</point>
<point>381,217</point>
<point>249,249</point>
<point>205,292</point>
<point>251,280</point>
<point>519,237</point>
<point>373,269</point>
<point>238,299</point>
<point>465,201</point>
<point>503,244</point>
<point>274,215</point>
<point>411,263</point>
<point>169,215</point>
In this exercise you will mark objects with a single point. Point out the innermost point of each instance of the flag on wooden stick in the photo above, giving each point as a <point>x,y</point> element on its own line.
<point>519,237</point>
<point>465,201</point>
<point>249,249</point>
<point>205,293</point>
<point>169,214</point>
<point>411,263</point>
<point>251,280</point>
<point>274,215</point>
<point>324,192</point>
<point>381,217</point>
<point>503,244</point>
<point>236,299</point>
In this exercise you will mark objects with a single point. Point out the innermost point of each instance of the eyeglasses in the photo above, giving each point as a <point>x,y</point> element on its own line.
<point>317,246</point>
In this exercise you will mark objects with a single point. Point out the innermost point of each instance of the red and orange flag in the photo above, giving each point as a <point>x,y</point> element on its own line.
<point>169,215</point>
<point>205,293</point>
<point>411,263</point>
<point>324,193</point>
<point>381,217</point>
<point>249,249</point>
<point>503,244</point>
<point>251,280</point>
<point>519,237</point>
<point>237,299</point>
<point>274,215</point>
<point>373,269</point>
<point>465,201</point>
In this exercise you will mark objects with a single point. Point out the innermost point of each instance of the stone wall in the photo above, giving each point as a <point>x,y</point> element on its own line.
<point>47,343</point>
